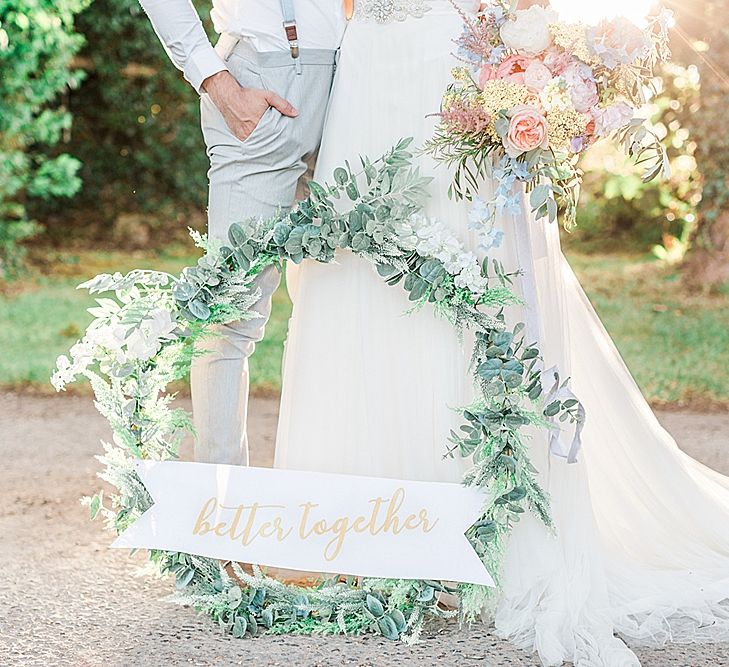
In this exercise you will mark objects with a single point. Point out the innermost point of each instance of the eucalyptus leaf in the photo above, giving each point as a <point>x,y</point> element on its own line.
<point>360,242</point>
<point>340,176</point>
<point>418,290</point>
<point>426,595</point>
<point>388,628</point>
<point>352,190</point>
<point>267,618</point>
<point>237,235</point>
<point>552,409</point>
<point>398,618</point>
<point>183,291</point>
<point>385,270</point>
<point>184,578</point>
<point>374,606</point>
<point>239,627</point>
<point>538,196</point>
<point>431,270</point>
<point>199,309</point>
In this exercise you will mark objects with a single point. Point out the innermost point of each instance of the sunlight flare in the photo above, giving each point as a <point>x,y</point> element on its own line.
<point>587,12</point>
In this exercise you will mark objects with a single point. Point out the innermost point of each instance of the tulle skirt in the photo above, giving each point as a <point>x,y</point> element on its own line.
<point>642,542</point>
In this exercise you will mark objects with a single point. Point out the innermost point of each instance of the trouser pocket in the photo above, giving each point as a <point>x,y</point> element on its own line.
<point>215,129</point>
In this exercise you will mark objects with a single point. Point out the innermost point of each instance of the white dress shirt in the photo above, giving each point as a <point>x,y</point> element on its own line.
<point>320,25</point>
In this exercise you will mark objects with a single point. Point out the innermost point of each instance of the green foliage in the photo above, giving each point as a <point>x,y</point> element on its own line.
<point>136,120</point>
<point>248,604</point>
<point>37,44</point>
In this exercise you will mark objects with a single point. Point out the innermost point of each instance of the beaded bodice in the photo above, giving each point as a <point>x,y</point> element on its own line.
<point>386,11</point>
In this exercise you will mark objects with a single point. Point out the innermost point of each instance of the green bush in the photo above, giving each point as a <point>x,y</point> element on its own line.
<point>710,120</point>
<point>37,44</point>
<point>618,211</point>
<point>136,123</point>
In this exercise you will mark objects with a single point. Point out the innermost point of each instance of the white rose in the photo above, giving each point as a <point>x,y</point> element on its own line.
<point>161,323</point>
<point>529,32</point>
<point>141,346</point>
<point>82,354</point>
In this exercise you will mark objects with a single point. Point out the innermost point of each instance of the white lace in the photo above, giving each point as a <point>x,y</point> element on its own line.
<point>386,11</point>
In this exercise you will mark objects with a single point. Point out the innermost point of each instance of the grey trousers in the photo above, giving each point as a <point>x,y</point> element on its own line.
<point>252,178</point>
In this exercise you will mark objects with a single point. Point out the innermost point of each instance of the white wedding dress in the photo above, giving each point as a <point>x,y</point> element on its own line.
<point>642,543</point>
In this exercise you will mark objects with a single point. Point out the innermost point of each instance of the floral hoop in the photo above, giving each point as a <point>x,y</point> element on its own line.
<point>146,337</point>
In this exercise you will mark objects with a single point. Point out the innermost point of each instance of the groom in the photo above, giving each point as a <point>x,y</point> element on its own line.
<point>264,90</point>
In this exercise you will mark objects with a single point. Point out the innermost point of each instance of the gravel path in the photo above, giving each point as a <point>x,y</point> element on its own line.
<point>67,599</point>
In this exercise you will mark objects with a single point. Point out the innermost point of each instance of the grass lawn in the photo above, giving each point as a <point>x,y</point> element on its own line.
<point>41,317</point>
<point>675,342</point>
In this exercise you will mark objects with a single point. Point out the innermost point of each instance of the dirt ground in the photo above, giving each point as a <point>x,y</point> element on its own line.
<point>67,599</point>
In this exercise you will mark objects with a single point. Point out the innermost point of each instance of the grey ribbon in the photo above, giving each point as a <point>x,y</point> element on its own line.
<point>557,445</point>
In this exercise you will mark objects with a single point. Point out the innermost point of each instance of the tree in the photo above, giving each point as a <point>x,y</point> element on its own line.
<point>37,44</point>
<point>708,261</point>
<point>136,129</point>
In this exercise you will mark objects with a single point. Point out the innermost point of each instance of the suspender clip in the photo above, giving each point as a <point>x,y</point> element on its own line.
<point>293,38</point>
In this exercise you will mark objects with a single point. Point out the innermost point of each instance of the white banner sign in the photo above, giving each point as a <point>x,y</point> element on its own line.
<point>315,522</point>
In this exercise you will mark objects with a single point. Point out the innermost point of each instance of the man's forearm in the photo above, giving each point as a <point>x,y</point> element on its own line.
<point>178,27</point>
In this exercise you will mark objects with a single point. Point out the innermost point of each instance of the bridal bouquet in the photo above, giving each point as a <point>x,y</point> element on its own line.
<point>534,92</point>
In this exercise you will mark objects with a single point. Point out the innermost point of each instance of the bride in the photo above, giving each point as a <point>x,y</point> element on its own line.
<point>641,550</point>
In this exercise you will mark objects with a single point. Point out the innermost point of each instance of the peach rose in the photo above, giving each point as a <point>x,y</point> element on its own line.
<point>513,68</point>
<point>527,131</point>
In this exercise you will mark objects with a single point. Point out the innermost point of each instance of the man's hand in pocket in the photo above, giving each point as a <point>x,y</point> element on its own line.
<point>242,108</point>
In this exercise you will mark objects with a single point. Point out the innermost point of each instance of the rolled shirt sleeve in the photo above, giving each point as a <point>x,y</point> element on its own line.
<point>180,30</point>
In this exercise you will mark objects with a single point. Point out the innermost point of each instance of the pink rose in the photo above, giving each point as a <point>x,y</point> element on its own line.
<point>582,87</point>
<point>611,118</point>
<point>536,76</point>
<point>557,61</point>
<point>513,68</point>
<point>488,73</point>
<point>527,131</point>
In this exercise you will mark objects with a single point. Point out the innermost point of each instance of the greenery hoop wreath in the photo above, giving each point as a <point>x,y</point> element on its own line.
<point>147,334</point>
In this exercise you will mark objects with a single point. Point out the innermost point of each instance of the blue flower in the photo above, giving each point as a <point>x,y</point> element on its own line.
<point>495,13</point>
<point>497,53</point>
<point>490,239</point>
<point>480,212</point>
